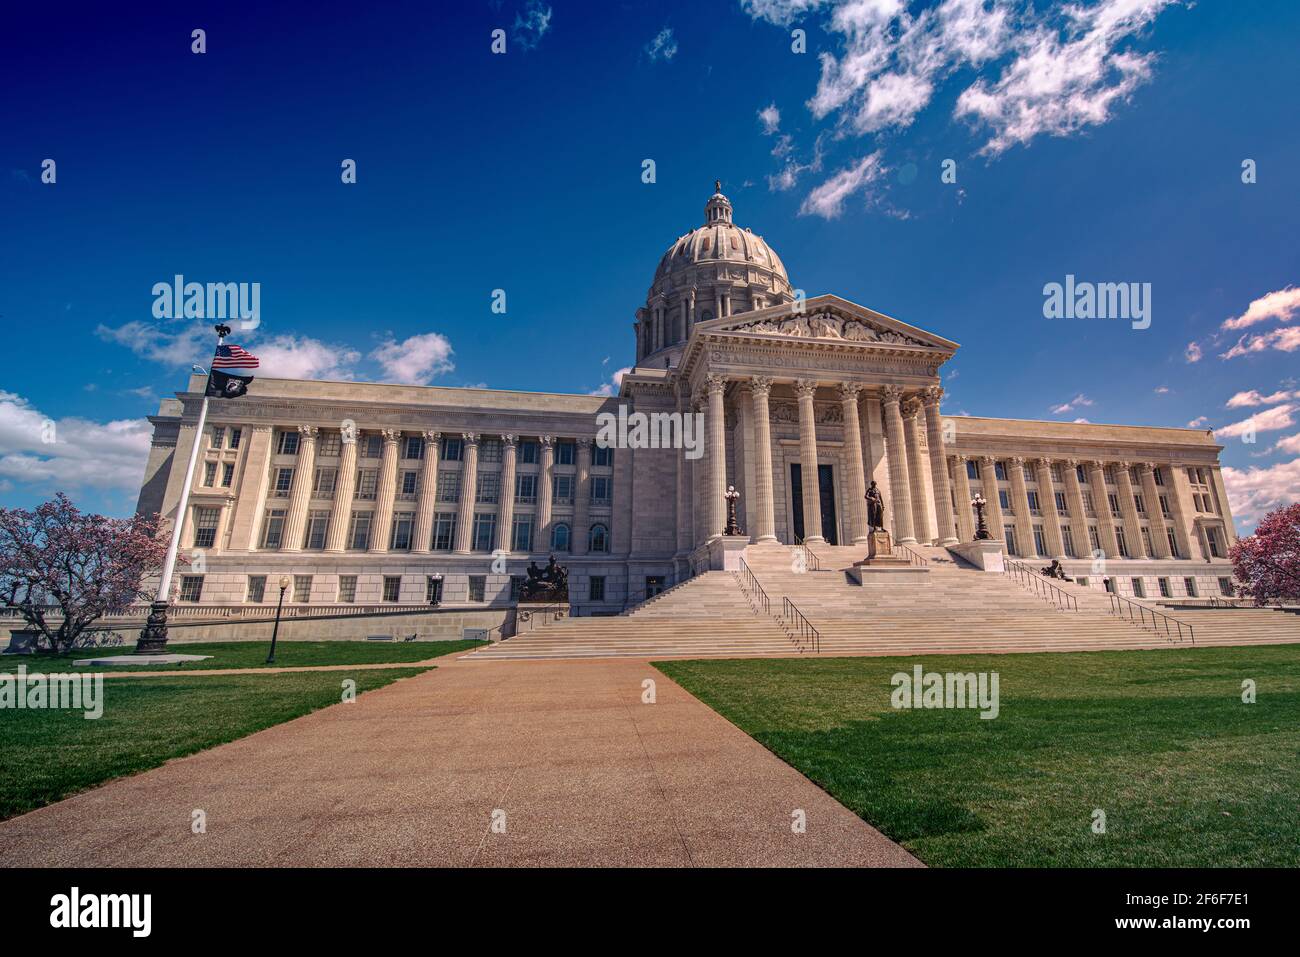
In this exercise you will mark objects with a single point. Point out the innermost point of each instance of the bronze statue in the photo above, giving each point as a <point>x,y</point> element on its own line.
<point>549,584</point>
<point>875,508</point>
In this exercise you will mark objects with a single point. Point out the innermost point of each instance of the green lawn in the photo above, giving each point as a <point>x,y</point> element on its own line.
<point>47,755</point>
<point>252,654</point>
<point>1186,774</point>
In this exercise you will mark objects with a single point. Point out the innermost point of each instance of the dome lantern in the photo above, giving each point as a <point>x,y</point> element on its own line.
<point>718,208</point>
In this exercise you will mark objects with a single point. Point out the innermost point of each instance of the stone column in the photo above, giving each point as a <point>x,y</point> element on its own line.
<point>760,388</point>
<point>506,511</point>
<point>427,502</point>
<point>943,517</point>
<point>582,497</point>
<point>857,477</point>
<point>900,490</point>
<point>295,521</point>
<point>717,507</point>
<point>685,488</point>
<point>381,527</point>
<point>1155,517</point>
<point>1101,499</point>
<point>1020,498</point>
<point>545,481</point>
<point>1180,504</point>
<point>1225,508</point>
<point>812,501</point>
<point>468,492</point>
<point>965,516</point>
<point>1127,506</point>
<point>989,478</point>
<point>1051,520</point>
<point>921,509</point>
<point>344,488</point>
<point>252,490</point>
<point>1077,509</point>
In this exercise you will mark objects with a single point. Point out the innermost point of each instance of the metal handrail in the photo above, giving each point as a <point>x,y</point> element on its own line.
<point>802,626</point>
<point>1117,607</point>
<point>916,558</point>
<point>1041,586</point>
<point>811,561</point>
<point>750,585</point>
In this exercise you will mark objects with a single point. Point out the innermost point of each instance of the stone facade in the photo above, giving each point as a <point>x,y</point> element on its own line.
<point>368,493</point>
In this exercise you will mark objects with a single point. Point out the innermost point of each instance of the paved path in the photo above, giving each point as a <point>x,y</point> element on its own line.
<point>411,775</point>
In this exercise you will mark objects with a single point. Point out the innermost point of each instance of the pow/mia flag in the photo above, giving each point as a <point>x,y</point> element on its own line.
<point>228,385</point>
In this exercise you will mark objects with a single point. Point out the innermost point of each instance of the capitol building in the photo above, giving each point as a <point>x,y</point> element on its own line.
<point>376,496</point>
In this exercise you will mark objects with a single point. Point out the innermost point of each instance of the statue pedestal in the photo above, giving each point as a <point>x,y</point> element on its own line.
<point>985,554</point>
<point>883,566</point>
<point>725,552</point>
<point>530,616</point>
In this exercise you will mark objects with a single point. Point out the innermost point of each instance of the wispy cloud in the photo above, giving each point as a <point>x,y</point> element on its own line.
<point>1283,304</point>
<point>1254,492</point>
<point>1253,398</point>
<point>1269,420</point>
<point>531,24</point>
<point>663,46</point>
<point>828,199</point>
<point>616,382</point>
<point>770,117</point>
<point>1079,401</point>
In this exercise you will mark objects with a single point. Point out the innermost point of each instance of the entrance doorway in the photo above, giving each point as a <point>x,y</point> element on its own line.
<point>825,491</point>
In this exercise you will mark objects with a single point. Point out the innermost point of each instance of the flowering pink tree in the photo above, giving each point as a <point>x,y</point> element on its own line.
<point>57,563</point>
<point>1267,564</point>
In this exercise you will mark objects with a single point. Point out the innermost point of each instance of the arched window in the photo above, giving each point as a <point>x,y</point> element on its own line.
<point>598,539</point>
<point>560,538</point>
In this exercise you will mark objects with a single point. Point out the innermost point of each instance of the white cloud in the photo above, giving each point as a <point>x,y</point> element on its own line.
<point>192,344</point>
<point>779,12</point>
<point>663,46</point>
<point>301,357</point>
<point>770,117</point>
<point>1269,420</point>
<point>827,200</point>
<point>1199,422</point>
<point>1079,401</point>
<point>1252,398</point>
<point>1285,339</point>
<point>1254,492</point>
<point>531,24</point>
<point>1283,304</point>
<point>615,383</point>
<point>415,361</point>
<point>1162,390</point>
<point>1193,352</point>
<point>80,453</point>
<point>1082,421</point>
<point>1289,444</point>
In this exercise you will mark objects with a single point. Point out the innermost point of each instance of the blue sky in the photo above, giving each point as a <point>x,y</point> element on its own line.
<point>1105,141</point>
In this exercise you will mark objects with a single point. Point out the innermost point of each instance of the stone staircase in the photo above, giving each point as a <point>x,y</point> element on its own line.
<point>958,610</point>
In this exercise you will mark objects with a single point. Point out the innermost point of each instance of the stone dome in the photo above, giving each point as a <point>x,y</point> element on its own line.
<point>718,269</point>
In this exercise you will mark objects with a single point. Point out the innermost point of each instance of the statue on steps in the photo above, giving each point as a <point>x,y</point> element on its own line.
<point>875,508</point>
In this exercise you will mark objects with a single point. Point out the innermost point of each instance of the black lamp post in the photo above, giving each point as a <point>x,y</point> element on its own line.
<point>435,599</point>
<point>275,630</point>
<point>981,529</point>
<point>733,528</point>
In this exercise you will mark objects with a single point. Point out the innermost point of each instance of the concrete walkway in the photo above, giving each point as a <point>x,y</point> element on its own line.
<point>581,772</point>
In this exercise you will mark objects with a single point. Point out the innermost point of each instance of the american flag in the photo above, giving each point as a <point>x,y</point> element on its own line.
<point>233,357</point>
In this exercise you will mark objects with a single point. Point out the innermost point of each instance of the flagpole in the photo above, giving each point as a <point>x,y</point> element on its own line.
<point>153,637</point>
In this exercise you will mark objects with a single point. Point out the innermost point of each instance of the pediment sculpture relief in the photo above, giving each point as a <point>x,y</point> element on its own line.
<point>823,413</point>
<point>827,325</point>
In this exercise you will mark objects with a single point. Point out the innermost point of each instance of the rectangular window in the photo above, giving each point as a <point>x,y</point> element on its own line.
<point>433,589</point>
<point>1083,478</point>
<point>1189,586</point>
<point>444,530</point>
<point>1067,541</point>
<point>529,452</point>
<point>209,474</point>
<point>1163,585</point>
<point>1033,503</point>
<point>1173,543</point>
<point>516,587</point>
<point>1108,584</point>
<point>565,452</point>
<point>283,482</point>
<point>1040,547</point>
<point>601,489</point>
<point>1009,536</point>
<point>1055,470</point>
<point>408,483</point>
<point>1138,590</point>
<point>191,587</point>
<point>414,447</point>
<point>392,587</point>
<point>596,588</point>
<point>484,531</point>
<point>488,491</point>
<point>403,523</point>
<point>490,452</point>
<point>331,444</point>
<point>227,474</point>
<point>1000,470</point>
<point>324,482</point>
<point>1146,541</point>
<point>288,444</point>
<point>1082,580</point>
<point>522,535</point>
<point>1139,504</point>
<point>235,436</point>
<point>348,589</point>
<point>1004,499</point>
<point>256,589</point>
<point>603,456</point>
<point>453,450</point>
<point>367,484</point>
<point>563,490</point>
<point>1114,504</point>
<point>1212,536</point>
<point>1109,472</point>
<point>371,446</point>
<point>1159,475</point>
<point>205,526</point>
<point>477,587</point>
<point>273,530</point>
<point>218,436</point>
<point>1121,541</point>
<point>1225,587</point>
<point>526,489</point>
<point>318,524</point>
<point>1094,539</point>
<point>972,469</point>
<point>1164,506</point>
<point>1060,504</point>
<point>302,589</point>
<point>359,534</point>
<point>654,584</point>
<point>1087,503</point>
<point>448,486</point>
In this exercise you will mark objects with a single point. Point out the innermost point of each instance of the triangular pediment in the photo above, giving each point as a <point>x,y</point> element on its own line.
<point>829,318</point>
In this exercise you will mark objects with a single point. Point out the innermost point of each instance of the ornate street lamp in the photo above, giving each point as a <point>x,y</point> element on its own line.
<point>284,585</point>
<point>731,495</point>
<point>981,529</point>
<point>435,599</point>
